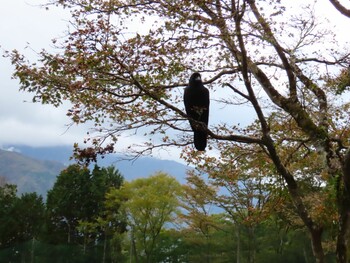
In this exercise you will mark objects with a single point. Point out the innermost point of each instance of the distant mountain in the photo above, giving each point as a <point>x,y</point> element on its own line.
<point>141,167</point>
<point>29,174</point>
<point>145,166</point>
<point>60,154</point>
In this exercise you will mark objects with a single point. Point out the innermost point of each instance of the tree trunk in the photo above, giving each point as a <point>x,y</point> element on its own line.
<point>305,255</point>
<point>341,240</point>
<point>32,251</point>
<point>316,241</point>
<point>104,248</point>
<point>314,229</point>
<point>251,244</point>
<point>133,247</point>
<point>68,237</point>
<point>343,192</point>
<point>238,260</point>
<point>344,218</point>
<point>85,242</point>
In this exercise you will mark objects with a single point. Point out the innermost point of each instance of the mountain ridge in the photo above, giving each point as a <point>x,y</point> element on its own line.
<point>29,174</point>
<point>34,169</point>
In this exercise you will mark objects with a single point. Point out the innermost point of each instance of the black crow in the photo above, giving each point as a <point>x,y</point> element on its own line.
<point>196,99</point>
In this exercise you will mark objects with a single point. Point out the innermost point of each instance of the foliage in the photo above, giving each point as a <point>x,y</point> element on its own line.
<point>286,65</point>
<point>76,200</point>
<point>148,205</point>
<point>184,236</point>
<point>75,208</point>
<point>21,217</point>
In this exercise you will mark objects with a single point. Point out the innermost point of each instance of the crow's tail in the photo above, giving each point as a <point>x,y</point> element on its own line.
<point>200,140</point>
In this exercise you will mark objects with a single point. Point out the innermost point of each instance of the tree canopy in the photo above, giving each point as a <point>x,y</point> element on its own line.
<point>78,196</point>
<point>287,66</point>
<point>148,204</point>
<point>21,217</point>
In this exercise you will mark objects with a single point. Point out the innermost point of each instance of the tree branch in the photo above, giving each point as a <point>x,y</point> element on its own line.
<point>280,51</point>
<point>236,138</point>
<point>342,9</point>
<point>237,91</point>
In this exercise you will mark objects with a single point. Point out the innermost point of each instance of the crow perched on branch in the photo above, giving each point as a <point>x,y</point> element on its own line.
<point>196,100</point>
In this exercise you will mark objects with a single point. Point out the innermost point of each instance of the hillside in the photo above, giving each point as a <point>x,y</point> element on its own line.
<point>141,167</point>
<point>29,174</point>
<point>35,169</point>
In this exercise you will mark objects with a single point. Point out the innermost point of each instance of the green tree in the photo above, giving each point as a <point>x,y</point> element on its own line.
<point>148,204</point>
<point>21,217</point>
<point>242,185</point>
<point>29,212</point>
<point>69,201</point>
<point>7,200</point>
<point>21,220</point>
<point>78,196</point>
<point>107,225</point>
<point>262,53</point>
<point>198,202</point>
<point>172,247</point>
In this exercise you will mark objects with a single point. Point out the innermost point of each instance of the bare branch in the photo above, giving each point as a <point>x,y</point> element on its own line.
<point>278,48</point>
<point>237,91</point>
<point>342,9</point>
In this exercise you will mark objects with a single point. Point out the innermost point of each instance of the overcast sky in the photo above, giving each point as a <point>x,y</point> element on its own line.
<point>23,23</point>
